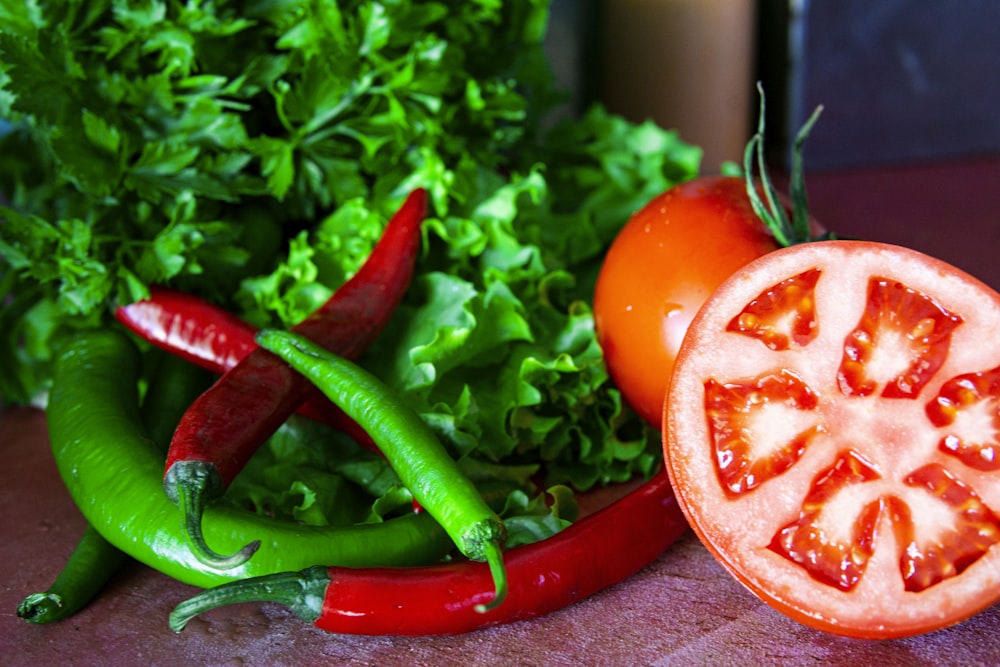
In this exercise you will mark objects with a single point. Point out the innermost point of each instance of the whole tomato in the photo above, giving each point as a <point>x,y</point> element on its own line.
<point>663,265</point>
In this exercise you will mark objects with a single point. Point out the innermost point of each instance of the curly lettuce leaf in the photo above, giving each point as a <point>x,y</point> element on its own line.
<point>530,520</point>
<point>309,474</point>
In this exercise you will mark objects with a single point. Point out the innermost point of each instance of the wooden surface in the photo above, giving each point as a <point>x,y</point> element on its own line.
<point>683,609</point>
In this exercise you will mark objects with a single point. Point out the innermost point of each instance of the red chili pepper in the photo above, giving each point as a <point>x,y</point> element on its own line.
<point>215,339</point>
<point>189,327</point>
<point>224,427</point>
<point>595,552</point>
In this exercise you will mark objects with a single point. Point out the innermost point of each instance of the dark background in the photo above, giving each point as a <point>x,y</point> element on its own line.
<point>900,80</point>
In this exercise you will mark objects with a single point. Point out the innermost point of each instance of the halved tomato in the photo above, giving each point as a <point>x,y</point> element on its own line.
<point>832,431</point>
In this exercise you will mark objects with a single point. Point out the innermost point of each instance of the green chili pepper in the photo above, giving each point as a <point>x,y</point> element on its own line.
<point>94,560</point>
<point>114,473</point>
<point>174,384</point>
<point>423,464</point>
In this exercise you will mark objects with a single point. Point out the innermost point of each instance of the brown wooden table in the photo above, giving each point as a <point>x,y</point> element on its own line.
<point>683,609</point>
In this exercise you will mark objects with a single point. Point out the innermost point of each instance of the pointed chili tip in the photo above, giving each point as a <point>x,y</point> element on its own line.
<point>415,205</point>
<point>494,557</point>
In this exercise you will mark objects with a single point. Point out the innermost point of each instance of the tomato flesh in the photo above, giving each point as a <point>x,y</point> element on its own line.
<point>841,562</point>
<point>967,404</point>
<point>767,317</point>
<point>919,329</point>
<point>732,410</point>
<point>832,430</point>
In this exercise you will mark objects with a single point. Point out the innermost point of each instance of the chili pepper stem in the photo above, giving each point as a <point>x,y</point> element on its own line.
<point>302,592</point>
<point>191,480</point>
<point>494,558</point>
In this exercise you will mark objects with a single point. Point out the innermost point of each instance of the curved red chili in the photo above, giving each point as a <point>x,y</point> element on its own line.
<point>224,427</point>
<point>214,339</point>
<point>597,551</point>
<point>190,328</point>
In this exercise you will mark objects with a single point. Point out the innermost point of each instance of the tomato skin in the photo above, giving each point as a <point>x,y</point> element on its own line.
<point>912,525</point>
<point>663,265</point>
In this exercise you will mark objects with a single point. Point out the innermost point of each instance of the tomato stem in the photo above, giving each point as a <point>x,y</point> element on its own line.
<point>765,201</point>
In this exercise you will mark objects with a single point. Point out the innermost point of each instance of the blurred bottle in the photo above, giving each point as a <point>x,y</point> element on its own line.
<point>687,65</point>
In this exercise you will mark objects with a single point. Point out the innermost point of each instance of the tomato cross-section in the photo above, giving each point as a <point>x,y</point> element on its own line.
<point>968,409</point>
<point>833,433</point>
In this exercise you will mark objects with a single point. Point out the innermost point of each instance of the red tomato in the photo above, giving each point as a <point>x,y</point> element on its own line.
<point>661,268</point>
<point>832,433</point>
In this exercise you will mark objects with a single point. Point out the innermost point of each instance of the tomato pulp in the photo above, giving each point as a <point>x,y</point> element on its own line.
<point>832,432</point>
<point>663,265</point>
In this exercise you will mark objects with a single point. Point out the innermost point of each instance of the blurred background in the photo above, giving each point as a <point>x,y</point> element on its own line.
<point>907,149</point>
<point>899,80</point>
